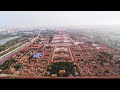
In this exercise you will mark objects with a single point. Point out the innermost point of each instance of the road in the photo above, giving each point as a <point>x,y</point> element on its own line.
<point>9,54</point>
<point>10,48</point>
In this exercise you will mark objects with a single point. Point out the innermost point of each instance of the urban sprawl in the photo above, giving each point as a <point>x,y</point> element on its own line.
<point>58,54</point>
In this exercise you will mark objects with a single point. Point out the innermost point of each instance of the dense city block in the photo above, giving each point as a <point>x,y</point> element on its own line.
<point>62,53</point>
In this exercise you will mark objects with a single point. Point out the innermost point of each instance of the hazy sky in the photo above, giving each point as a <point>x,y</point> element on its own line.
<point>59,17</point>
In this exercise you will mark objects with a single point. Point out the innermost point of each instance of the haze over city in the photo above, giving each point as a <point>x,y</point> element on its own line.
<point>58,18</point>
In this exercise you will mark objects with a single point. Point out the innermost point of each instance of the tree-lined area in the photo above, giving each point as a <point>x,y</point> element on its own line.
<point>7,64</point>
<point>67,66</point>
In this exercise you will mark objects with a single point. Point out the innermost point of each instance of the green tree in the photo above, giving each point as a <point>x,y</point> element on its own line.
<point>17,66</point>
<point>67,66</point>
